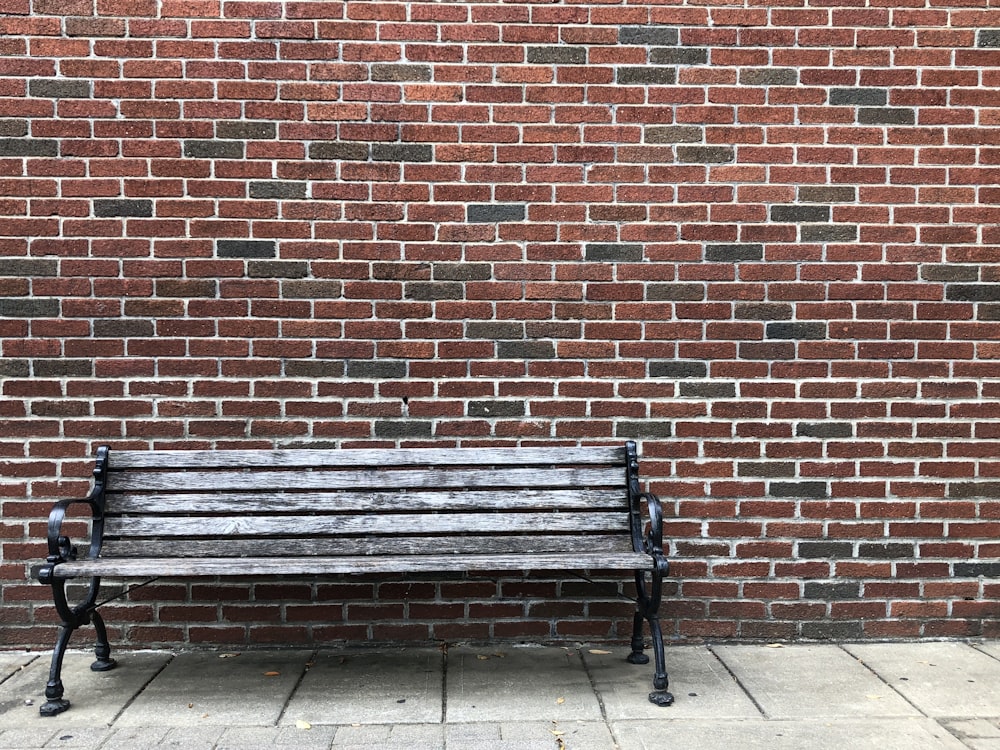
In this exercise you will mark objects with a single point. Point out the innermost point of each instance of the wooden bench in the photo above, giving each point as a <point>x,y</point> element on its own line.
<point>329,512</point>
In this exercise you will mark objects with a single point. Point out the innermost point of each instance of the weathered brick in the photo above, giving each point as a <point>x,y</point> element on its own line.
<point>278,189</point>
<point>800,213</point>
<point>245,130</point>
<point>13,307</point>
<point>246,248</point>
<point>829,233</point>
<point>769,77</point>
<point>648,35</point>
<point>973,292</point>
<point>405,152</point>
<point>706,154</point>
<point>613,252</point>
<point>491,409</point>
<point>825,430</point>
<point>734,253</point>
<point>631,75</point>
<point>123,207</point>
<point>557,55</point>
<point>827,194</point>
<point>29,147</point>
<point>859,97</point>
<point>400,72</point>
<point>989,38</point>
<point>674,134</point>
<point>799,489</point>
<point>803,331</point>
<point>526,350</point>
<point>23,267</point>
<point>886,116</point>
<point>213,150</point>
<point>495,212</point>
<point>670,369</point>
<point>334,150</point>
<point>54,88</point>
<point>679,56</point>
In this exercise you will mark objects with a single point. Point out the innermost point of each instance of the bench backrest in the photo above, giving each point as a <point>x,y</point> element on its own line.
<point>416,501</point>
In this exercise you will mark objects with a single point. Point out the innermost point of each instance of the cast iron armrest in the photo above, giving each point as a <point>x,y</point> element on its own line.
<point>653,541</point>
<point>60,547</point>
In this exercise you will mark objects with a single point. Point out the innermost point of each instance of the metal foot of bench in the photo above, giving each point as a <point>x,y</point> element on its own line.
<point>104,661</point>
<point>53,708</point>
<point>661,698</point>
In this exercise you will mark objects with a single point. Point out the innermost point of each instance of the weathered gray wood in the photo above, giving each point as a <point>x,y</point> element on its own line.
<point>293,547</point>
<point>403,524</point>
<point>310,458</point>
<point>371,479</point>
<point>319,566</point>
<point>272,500</point>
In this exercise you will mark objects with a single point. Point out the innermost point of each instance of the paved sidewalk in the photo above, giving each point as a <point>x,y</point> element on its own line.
<point>904,696</point>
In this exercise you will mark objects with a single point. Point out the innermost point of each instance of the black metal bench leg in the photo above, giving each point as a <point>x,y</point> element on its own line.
<point>54,702</point>
<point>637,656</point>
<point>104,661</point>
<point>660,695</point>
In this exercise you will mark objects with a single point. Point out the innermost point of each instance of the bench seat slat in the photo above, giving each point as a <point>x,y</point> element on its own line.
<point>307,458</point>
<point>469,523</point>
<point>318,502</point>
<point>291,547</point>
<point>246,566</point>
<point>370,478</point>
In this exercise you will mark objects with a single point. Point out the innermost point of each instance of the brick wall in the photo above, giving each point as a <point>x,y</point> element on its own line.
<point>762,241</point>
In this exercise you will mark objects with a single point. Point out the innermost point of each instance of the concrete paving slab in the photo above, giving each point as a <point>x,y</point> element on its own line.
<point>25,737</point>
<point>941,679</point>
<point>202,688</point>
<point>390,686</point>
<point>992,648</point>
<point>702,686</point>
<point>136,737</point>
<point>885,734</point>
<point>241,738</point>
<point>530,683</point>
<point>390,737</point>
<point>815,680</point>
<point>13,662</point>
<point>96,698</point>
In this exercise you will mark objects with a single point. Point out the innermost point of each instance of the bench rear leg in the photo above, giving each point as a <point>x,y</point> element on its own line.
<point>102,651</point>
<point>647,608</point>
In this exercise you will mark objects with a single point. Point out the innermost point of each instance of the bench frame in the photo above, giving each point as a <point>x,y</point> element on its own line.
<point>646,537</point>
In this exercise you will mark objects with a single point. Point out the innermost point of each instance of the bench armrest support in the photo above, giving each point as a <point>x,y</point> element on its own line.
<point>60,547</point>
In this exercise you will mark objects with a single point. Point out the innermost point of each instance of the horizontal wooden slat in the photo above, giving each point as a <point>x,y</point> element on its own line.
<point>368,457</point>
<point>319,566</point>
<point>247,501</point>
<point>367,478</point>
<point>468,523</point>
<point>290,547</point>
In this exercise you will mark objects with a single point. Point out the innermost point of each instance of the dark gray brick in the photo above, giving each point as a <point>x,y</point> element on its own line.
<point>112,328</point>
<point>647,429</point>
<point>886,550</point>
<point>646,76</point>
<point>734,253</point>
<point>462,271</point>
<point>988,312</point>
<point>708,390</point>
<point>246,248</point>
<point>308,368</point>
<point>768,469</point>
<point>670,368</point>
<point>56,88</point>
<point>16,368</point>
<point>496,409</point>
<point>800,213</point>
<point>410,428</point>
<point>23,307</point>
<point>827,194</point>
<point>824,430</point>
<point>557,55</point>
<point>13,128</point>
<point>813,330</point>
<point>376,369</point>
<point>949,272</point>
<point>213,150</point>
<point>552,329</point>
<point>974,489</point>
<point>278,189</point>
<point>105,207</point>
<point>491,213</point>
<point>813,490</point>
<point>840,630</point>
<point>614,252</point>
<point>831,590</point>
<point>706,154</point>
<point>977,569</point>
<point>972,292</point>
<point>494,331</point>
<point>277,269</point>
<point>769,77</point>
<point>434,290</point>
<point>887,116</point>
<point>29,147</point>
<point>406,152</point>
<point>246,130</point>
<point>675,292</point>
<point>526,350</point>
<point>859,97</point>
<point>26,267</point>
<point>829,232</point>
<point>679,56</point>
<point>674,134</point>
<point>649,35</point>
<point>989,38</point>
<point>763,311</point>
<point>338,151</point>
<point>64,368</point>
<point>400,72</point>
<point>826,549</point>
